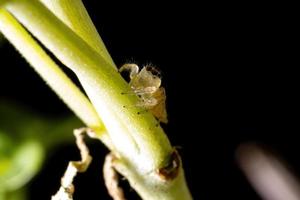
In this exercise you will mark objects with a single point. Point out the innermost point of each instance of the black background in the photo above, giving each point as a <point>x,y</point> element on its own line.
<point>231,77</point>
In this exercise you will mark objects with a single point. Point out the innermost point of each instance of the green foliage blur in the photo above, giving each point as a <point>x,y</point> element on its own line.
<point>25,139</point>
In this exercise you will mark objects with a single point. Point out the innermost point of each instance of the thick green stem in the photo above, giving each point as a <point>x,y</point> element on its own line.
<point>140,144</point>
<point>135,136</point>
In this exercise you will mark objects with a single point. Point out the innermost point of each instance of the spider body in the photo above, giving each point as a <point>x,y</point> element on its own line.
<point>146,84</point>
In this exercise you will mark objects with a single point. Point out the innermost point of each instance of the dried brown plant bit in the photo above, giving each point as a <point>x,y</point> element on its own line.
<point>66,189</point>
<point>111,178</point>
<point>146,84</point>
<point>171,169</point>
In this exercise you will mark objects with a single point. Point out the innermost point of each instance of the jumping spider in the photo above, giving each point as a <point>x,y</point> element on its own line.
<point>146,84</point>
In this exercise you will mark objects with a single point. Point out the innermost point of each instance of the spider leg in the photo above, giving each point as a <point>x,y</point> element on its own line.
<point>132,68</point>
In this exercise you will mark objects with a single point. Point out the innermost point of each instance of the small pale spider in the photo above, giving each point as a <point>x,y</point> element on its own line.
<point>146,84</point>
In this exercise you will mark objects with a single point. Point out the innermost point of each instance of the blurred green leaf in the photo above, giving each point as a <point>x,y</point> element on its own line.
<point>6,148</point>
<point>15,195</point>
<point>23,165</point>
<point>25,137</point>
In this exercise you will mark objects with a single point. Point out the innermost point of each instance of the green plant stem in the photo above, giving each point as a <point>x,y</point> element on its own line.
<point>135,136</point>
<point>150,188</point>
<point>142,147</point>
<point>51,73</point>
<point>75,16</point>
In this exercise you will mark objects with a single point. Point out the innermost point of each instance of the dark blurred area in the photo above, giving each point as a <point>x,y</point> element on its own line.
<point>230,74</point>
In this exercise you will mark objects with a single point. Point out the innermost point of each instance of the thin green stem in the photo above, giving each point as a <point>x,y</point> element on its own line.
<point>51,73</point>
<point>75,16</point>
